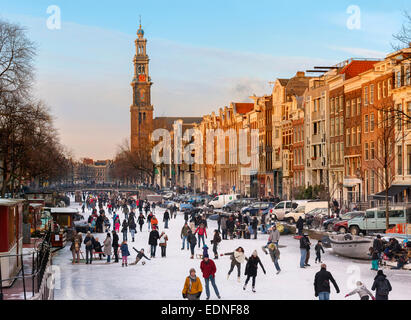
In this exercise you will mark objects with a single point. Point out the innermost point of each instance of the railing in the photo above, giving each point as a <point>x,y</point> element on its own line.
<point>40,261</point>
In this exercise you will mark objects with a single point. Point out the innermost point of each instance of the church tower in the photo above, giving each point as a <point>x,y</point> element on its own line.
<point>141,110</point>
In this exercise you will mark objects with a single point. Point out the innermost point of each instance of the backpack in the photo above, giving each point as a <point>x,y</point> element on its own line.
<point>384,289</point>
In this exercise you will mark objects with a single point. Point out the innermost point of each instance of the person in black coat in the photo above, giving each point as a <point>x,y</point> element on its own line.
<point>378,247</point>
<point>124,229</point>
<point>115,245</point>
<point>300,226</point>
<point>90,242</point>
<point>251,269</point>
<point>322,283</point>
<point>192,240</point>
<point>382,286</point>
<point>166,218</point>
<point>132,226</point>
<point>141,219</point>
<point>152,241</point>
<point>216,240</point>
<point>230,226</point>
<point>254,226</point>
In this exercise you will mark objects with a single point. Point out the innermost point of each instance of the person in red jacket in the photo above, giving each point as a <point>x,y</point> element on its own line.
<point>201,230</point>
<point>209,269</point>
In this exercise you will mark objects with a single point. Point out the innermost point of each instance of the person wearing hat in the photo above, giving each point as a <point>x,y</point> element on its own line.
<point>381,286</point>
<point>322,283</point>
<point>192,286</point>
<point>251,269</point>
<point>209,269</point>
<point>304,250</point>
<point>362,291</point>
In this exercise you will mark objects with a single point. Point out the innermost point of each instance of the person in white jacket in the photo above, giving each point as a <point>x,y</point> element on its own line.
<point>362,291</point>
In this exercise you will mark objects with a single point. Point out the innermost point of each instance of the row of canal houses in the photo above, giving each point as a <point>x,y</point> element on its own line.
<point>325,130</point>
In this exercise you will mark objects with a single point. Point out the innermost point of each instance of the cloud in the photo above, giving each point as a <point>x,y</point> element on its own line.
<point>360,52</point>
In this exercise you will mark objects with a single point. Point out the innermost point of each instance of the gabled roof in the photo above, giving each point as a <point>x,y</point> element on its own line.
<point>355,67</point>
<point>283,82</point>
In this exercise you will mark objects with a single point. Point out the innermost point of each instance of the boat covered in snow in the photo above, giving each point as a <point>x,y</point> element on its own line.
<point>351,246</point>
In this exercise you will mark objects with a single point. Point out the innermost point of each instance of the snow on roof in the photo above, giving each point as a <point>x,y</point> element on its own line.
<point>10,202</point>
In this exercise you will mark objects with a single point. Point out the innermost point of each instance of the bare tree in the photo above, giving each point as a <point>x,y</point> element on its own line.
<point>382,162</point>
<point>403,37</point>
<point>16,59</point>
<point>135,164</point>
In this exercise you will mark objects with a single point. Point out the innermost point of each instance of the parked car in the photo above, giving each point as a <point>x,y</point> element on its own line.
<point>238,204</point>
<point>258,208</point>
<point>186,207</point>
<point>374,219</point>
<point>328,224</point>
<point>280,209</point>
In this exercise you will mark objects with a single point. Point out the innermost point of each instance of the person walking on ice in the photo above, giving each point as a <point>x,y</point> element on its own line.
<point>124,253</point>
<point>237,258</point>
<point>140,255</point>
<point>192,286</point>
<point>209,269</point>
<point>275,255</point>
<point>322,283</point>
<point>251,269</point>
<point>362,291</point>
<point>318,248</point>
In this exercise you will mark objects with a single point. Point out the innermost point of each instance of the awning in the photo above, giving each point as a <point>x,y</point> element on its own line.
<point>392,191</point>
<point>348,183</point>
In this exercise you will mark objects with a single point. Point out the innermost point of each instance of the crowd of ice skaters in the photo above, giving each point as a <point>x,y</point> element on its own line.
<point>194,233</point>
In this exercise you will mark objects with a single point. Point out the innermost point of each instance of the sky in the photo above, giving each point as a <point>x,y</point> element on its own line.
<point>203,54</point>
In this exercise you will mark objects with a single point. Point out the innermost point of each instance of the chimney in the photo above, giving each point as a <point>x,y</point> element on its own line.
<point>300,74</point>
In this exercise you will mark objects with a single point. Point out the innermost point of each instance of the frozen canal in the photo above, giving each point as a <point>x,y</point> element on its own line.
<point>163,278</point>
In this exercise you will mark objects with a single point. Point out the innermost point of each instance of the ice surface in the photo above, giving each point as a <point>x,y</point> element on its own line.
<point>163,278</point>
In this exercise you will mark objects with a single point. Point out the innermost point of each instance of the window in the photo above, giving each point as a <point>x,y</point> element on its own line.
<point>366,151</point>
<point>332,129</point>
<point>341,103</point>
<point>379,91</point>
<point>341,152</point>
<point>379,149</point>
<point>409,114</point>
<point>384,88</point>
<point>372,94</point>
<point>372,150</point>
<point>348,140</point>
<point>348,109</point>
<point>399,159</point>
<point>337,126</point>
<point>366,96</point>
<point>372,186</point>
<point>399,122</point>
<point>359,135</point>
<point>372,122</point>
<point>366,123</point>
<point>408,75</point>
<point>398,79</point>
<point>341,126</point>
<point>409,159</point>
<point>354,137</point>
<point>358,106</point>
<point>353,107</point>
